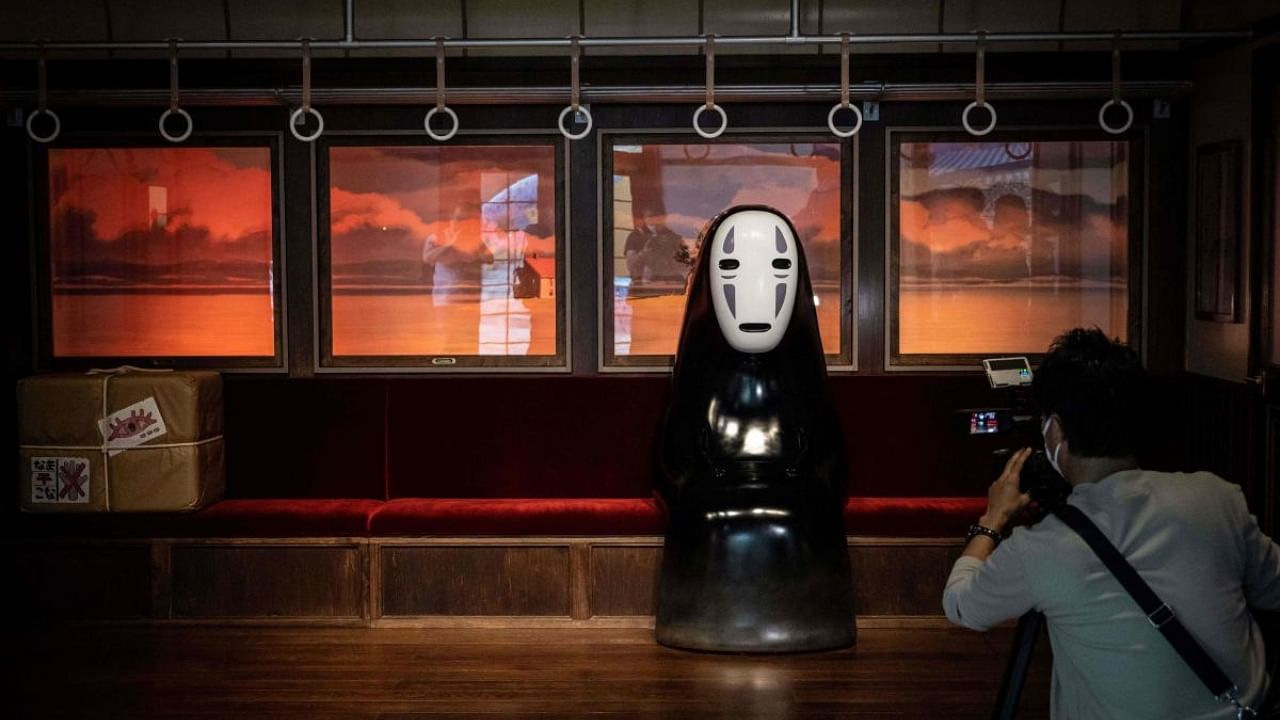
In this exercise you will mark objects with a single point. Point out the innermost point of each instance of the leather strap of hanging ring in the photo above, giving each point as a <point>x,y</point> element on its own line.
<point>173,101</point>
<point>980,92</point>
<point>306,108</point>
<point>42,104</point>
<point>844,103</point>
<point>574,110</point>
<point>440,107</point>
<point>1115,94</point>
<point>711,96</point>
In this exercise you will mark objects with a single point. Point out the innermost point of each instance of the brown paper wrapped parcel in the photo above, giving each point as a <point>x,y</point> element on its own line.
<point>124,440</point>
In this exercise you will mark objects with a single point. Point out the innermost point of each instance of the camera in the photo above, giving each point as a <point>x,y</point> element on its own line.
<point>1047,488</point>
<point>1017,421</point>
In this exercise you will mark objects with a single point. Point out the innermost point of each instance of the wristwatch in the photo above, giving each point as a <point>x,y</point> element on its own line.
<point>976,530</point>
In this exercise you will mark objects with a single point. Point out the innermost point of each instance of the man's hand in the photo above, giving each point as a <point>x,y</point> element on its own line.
<point>1005,498</point>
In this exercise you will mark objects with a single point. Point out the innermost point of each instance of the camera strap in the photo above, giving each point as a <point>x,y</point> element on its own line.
<point>1158,612</point>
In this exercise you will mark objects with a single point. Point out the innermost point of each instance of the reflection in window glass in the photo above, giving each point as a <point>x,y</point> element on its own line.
<point>161,252</point>
<point>1003,246</point>
<point>663,194</point>
<point>443,250</point>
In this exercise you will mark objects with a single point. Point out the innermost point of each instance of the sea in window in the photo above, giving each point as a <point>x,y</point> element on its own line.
<point>443,251</point>
<point>161,252</point>
<point>1001,246</point>
<point>662,196</point>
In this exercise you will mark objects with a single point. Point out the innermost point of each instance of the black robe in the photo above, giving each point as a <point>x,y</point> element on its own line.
<point>755,556</point>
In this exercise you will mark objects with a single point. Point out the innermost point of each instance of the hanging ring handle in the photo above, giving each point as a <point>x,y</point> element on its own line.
<point>1122,127</point>
<point>306,108</point>
<point>574,109</point>
<point>980,94</point>
<point>710,134</point>
<point>711,96</point>
<point>42,105</point>
<point>440,107</point>
<point>1115,94</point>
<point>844,103</point>
<point>173,101</point>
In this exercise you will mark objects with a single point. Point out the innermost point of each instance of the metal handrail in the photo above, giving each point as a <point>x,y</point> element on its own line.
<point>690,41</point>
<point>625,94</point>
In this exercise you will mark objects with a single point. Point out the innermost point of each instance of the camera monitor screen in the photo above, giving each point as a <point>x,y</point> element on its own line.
<point>983,422</point>
<point>1008,372</point>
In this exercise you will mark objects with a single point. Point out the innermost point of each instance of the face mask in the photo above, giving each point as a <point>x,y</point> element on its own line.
<point>1052,456</point>
<point>754,279</point>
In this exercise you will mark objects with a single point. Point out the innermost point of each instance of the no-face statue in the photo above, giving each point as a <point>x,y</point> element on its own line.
<point>752,466</point>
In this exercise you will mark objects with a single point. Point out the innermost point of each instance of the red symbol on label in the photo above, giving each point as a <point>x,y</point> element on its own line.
<point>137,421</point>
<point>71,474</point>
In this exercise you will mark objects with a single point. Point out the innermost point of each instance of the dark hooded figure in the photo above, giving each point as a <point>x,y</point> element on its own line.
<point>752,465</point>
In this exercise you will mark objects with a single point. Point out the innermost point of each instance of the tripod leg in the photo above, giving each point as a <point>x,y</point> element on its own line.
<point>1015,672</point>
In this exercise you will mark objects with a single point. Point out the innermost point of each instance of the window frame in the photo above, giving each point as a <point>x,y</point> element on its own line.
<point>1135,328</point>
<point>322,315</point>
<point>40,242</point>
<point>845,361</point>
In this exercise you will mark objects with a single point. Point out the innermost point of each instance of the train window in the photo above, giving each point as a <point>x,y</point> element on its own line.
<point>447,256</point>
<point>997,247</point>
<point>165,254</point>
<point>663,191</point>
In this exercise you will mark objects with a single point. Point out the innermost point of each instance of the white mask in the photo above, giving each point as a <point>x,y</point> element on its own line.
<point>1052,456</point>
<point>754,279</point>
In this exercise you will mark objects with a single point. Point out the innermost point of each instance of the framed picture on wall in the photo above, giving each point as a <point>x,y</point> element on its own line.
<point>442,257</point>
<point>664,187</point>
<point>160,255</point>
<point>995,247</point>
<point>1218,230</point>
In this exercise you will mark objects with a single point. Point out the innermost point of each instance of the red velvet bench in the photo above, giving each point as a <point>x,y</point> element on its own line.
<point>875,517</point>
<point>484,517</point>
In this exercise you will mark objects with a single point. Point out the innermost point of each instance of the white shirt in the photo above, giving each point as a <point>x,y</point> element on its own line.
<point>1191,538</point>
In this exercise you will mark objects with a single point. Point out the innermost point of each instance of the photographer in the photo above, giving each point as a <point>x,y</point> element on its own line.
<point>1189,536</point>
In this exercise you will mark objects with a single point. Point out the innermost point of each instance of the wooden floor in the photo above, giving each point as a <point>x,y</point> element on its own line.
<point>322,674</point>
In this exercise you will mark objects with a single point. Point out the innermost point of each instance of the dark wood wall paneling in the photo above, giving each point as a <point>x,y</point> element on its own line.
<point>1223,431</point>
<point>1265,232</point>
<point>72,583</point>
<point>447,581</point>
<point>624,579</point>
<point>889,578</point>
<point>213,581</point>
<point>882,588</point>
<point>1265,463</point>
<point>343,582</point>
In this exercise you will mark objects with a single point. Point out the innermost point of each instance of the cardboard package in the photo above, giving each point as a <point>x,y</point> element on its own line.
<point>123,440</point>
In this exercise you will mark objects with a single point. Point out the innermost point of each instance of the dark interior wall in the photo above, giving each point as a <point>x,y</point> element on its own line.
<point>323,436</point>
<point>15,298</point>
<point>1230,423</point>
<point>594,435</point>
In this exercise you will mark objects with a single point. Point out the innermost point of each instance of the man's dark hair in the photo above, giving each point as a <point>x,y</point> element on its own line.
<point>1094,385</point>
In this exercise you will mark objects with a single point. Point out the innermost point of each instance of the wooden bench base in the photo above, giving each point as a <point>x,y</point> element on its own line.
<point>533,582</point>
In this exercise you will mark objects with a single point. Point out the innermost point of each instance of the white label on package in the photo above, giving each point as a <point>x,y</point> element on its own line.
<point>59,480</point>
<point>132,426</point>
